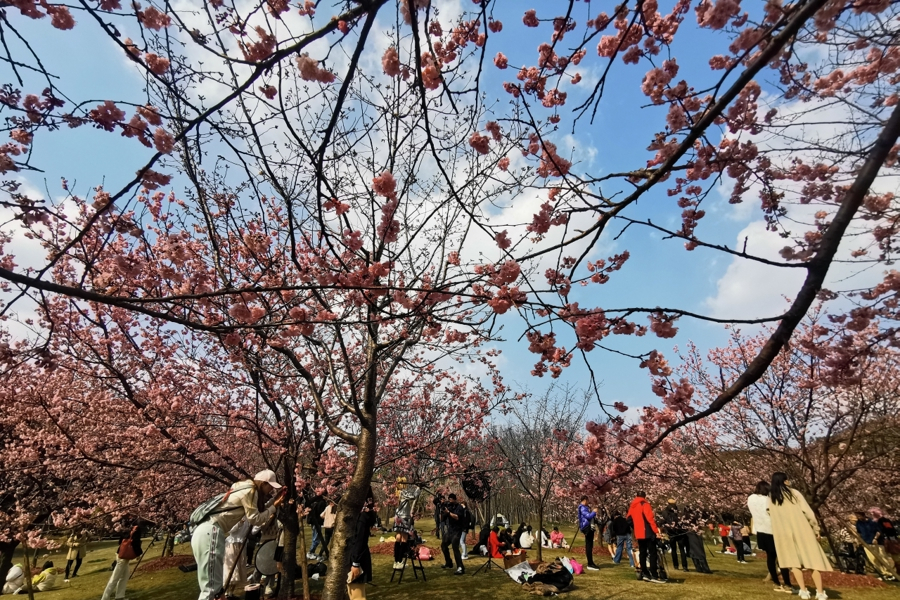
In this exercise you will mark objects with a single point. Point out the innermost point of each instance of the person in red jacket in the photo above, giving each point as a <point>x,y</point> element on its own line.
<point>640,515</point>
<point>494,546</point>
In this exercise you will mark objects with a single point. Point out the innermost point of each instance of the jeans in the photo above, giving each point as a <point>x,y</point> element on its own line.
<point>589,544</point>
<point>451,539</point>
<point>647,549</point>
<point>316,538</point>
<point>624,541</point>
<point>462,545</point>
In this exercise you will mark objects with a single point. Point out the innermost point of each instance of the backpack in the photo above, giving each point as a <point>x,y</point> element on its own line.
<point>208,508</point>
<point>424,553</point>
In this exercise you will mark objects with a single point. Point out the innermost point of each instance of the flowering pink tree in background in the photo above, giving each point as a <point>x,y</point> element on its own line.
<point>533,445</point>
<point>314,192</point>
<point>827,418</point>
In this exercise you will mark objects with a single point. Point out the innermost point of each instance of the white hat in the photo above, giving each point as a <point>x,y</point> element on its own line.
<point>267,476</point>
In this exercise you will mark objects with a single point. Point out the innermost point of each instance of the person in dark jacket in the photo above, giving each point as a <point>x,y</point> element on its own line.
<point>452,519</point>
<point>316,506</point>
<point>621,532</point>
<point>360,557</point>
<point>677,533</point>
<point>506,539</point>
<point>586,518</point>
<point>640,514</point>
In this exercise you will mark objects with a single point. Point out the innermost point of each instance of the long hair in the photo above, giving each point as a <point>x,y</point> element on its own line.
<point>779,490</point>
<point>762,489</point>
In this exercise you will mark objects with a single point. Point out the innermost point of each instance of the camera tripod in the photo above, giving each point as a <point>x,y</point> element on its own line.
<point>490,564</point>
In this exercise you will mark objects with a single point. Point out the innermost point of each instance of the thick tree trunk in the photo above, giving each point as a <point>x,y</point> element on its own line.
<point>291,523</point>
<point>348,512</point>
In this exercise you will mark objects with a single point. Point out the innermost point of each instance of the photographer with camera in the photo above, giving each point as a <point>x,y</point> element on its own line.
<point>453,520</point>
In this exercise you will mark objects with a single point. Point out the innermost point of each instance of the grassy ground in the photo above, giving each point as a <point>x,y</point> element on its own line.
<point>610,582</point>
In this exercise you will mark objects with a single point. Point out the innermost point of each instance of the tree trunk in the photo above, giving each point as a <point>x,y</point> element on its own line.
<point>6,557</point>
<point>831,543</point>
<point>540,553</point>
<point>304,563</point>
<point>27,569</point>
<point>290,521</point>
<point>348,512</point>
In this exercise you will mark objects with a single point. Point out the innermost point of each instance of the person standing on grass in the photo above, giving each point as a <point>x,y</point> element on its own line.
<point>316,506</point>
<point>676,532</point>
<point>622,534</point>
<point>77,544</point>
<point>724,532</point>
<point>586,518</point>
<point>244,499</point>
<point>129,549</point>
<point>796,532</point>
<point>468,525</point>
<point>758,503</point>
<point>328,517</point>
<point>452,520</point>
<point>640,514</point>
<point>738,538</point>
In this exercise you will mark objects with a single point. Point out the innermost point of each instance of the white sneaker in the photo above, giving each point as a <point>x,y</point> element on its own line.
<point>821,595</point>
<point>592,568</point>
<point>784,589</point>
<point>804,594</point>
<point>65,581</point>
<point>398,565</point>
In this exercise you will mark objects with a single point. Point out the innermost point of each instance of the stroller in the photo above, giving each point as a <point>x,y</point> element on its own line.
<point>697,551</point>
<point>853,558</point>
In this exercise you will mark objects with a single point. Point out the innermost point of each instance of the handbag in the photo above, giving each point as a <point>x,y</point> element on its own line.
<point>126,550</point>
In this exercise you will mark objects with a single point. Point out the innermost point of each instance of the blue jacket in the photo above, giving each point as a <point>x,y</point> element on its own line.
<point>585,516</point>
<point>867,530</point>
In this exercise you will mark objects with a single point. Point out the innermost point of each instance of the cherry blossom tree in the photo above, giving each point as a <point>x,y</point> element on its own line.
<point>312,191</point>
<point>533,444</point>
<point>831,433</point>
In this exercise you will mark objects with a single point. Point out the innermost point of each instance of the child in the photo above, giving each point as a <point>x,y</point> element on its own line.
<point>724,531</point>
<point>738,538</point>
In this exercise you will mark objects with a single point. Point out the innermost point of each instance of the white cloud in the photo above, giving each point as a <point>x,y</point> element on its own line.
<point>750,289</point>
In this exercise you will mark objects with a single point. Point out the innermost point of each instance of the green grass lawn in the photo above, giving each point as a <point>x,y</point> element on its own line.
<point>611,581</point>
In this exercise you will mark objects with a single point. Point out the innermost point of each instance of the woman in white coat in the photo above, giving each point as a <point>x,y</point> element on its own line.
<point>796,532</point>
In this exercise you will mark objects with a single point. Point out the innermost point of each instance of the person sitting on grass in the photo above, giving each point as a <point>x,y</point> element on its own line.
<point>15,579</point>
<point>495,547</point>
<point>46,579</point>
<point>557,539</point>
<point>526,539</point>
<point>506,540</point>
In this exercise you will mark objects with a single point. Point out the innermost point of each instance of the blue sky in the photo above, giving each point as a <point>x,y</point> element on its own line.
<point>659,273</point>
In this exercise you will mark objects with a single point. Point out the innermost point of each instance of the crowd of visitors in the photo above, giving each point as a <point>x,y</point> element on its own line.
<point>783,523</point>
